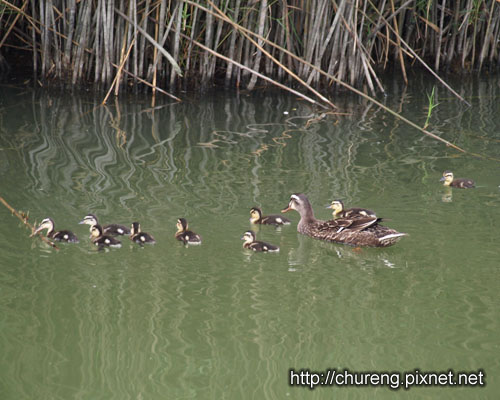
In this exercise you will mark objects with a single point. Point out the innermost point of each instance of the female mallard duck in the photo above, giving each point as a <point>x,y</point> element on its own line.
<point>256,245</point>
<point>461,183</point>
<point>184,235</point>
<point>100,239</point>
<point>110,229</point>
<point>140,237</point>
<point>358,231</point>
<point>340,212</point>
<point>61,236</point>
<point>256,217</point>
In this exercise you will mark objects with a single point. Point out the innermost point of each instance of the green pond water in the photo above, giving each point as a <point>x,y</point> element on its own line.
<point>219,322</point>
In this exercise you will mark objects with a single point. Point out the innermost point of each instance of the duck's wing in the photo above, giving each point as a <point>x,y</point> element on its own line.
<point>358,212</point>
<point>353,224</point>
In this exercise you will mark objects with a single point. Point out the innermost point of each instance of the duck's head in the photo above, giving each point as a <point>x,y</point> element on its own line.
<point>298,202</point>
<point>447,178</point>
<point>248,236</point>
<point>95,231</point>
<point>135,228</point>
<point>337,206</point>
<point>182,225</point>
<point>89,219</point>
<point>255,214</point>
<point>47,223</point>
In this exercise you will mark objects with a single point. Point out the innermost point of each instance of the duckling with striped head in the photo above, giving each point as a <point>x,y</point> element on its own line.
<point>61,236</point>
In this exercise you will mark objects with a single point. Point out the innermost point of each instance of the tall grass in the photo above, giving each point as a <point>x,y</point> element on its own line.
<point>176,43</point>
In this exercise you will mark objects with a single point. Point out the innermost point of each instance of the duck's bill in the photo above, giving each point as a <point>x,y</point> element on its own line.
<point>286,209</point>
<point>442,179</point>
<point>40,228</point>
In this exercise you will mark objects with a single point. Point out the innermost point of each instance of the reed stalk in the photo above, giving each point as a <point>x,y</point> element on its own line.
<point>313,46</point>
<point>351,39</point>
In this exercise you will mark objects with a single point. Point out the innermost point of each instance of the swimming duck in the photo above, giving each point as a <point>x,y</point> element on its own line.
<point>110,229</point>
<point>256,217</point>
<point>100,239</point>
<point>184,235</point>
<point>462,183</point>
<point>140,237</point>
<point>340,212</point>
<point>357,231</point>
<point>256,245</point>
<point>61,236</point>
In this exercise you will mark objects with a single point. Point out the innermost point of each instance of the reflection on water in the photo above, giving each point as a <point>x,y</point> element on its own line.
<point>214,321</point>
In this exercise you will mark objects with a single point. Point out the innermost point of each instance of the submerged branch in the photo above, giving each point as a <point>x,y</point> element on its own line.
<point>24,219</point>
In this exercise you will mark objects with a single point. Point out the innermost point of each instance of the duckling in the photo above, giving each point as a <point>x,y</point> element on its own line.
<point>110,229</point>
<point>256,217</point>
<point>61,236</point>
<point>184,235</point>
<point>340,212</point>
<point>357,231</point>
<point>100,239</point>
<point>461,183</point>
<point>140,237</point>
<point>256,245</point>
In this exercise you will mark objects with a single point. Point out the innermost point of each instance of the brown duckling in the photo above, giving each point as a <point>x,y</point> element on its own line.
<point>461,183</point>
<point>100,239</point>
<point>110,229</point>
<point>358,231</point>
<point>340,212</point>
<point>137,236</point>
<point>61,236</point>
<point>184,235</point>
<point>256,245</point>
<point>256,217</point>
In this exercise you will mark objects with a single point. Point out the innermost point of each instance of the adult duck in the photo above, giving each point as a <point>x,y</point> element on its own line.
<point>358,231</point>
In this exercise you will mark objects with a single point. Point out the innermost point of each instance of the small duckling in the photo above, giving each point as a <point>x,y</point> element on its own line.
<point>61,236</point>
<point>256,217</point>
<point>340,212</point>
<point>110,229</point>
<point>140,237</point>
<point>100,239</point>
<point>184,235</point>
<point>461,183</point>
<point>257,245</point>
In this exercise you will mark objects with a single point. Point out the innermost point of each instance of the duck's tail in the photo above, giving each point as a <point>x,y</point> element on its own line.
<point>390,239</point>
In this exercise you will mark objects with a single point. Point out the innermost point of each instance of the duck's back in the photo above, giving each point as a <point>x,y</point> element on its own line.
<point>463,183</point>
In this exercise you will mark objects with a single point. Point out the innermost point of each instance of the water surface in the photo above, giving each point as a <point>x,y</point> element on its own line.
<point>215,321</point>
